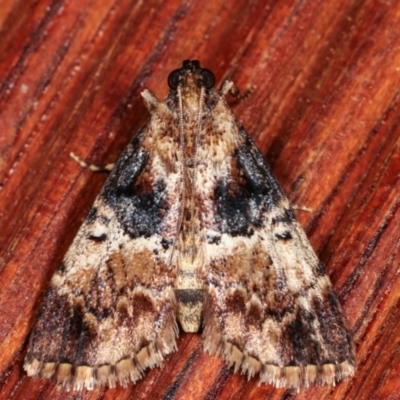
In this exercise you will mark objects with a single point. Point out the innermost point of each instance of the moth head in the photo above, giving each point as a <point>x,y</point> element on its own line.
<point>191,75</point>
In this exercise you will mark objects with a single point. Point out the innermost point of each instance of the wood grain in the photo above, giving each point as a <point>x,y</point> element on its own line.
<point>325,112</point>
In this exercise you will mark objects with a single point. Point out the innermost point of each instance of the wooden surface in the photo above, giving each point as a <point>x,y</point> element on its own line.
<point>326,114</point>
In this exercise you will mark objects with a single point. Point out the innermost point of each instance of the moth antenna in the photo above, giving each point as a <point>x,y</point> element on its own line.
<point>195,164</point>
<point>183,168</point>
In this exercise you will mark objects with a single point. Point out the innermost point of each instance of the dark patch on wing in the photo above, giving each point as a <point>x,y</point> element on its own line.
<point>142,304</point>
<point>257,181</point>
<point>332,326</point>
<point>303,347</point>
<point>166,243</point>
<point>320,269</point>
<point>138,200</point>
<point>123,312</point>
<point>243,199</point>
<point>47,332</point>
<point>61,267</point>
<point>73,339</point>
<point>278,312</point>
<point>132,169</point>
<point>92,214</point>
<point>236,303</point>
<point>80,333</point>
<point>60,333</point>
<point>258,170</point>
<point>287,218</point>
<point>127,169</point>
<point>101,299</point>
<point>100,238</point>
<point>142,214</point>
<point>254,315</point>
<point>123,176</point>
<point>284,236</point>
<point>213,239</point>
<point>282,303</point>
<point>233,214</point>
<point>64,330</point>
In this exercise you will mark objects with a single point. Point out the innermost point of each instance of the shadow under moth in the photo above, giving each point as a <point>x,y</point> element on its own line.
<point>190,227</point>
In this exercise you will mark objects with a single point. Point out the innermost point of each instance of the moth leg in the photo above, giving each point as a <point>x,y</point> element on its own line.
<point>92,167</point>
<point>150,99</point>
<point>229,87</point>
<point>301,208</point>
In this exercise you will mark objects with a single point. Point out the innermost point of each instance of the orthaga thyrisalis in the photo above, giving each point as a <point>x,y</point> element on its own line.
<point>190,227</point>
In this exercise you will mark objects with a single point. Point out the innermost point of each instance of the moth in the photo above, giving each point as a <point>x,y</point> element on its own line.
<point>191,227</point>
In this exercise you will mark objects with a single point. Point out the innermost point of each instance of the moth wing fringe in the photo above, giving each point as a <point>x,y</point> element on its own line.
<point>126,370</point>
<point>280,377</point>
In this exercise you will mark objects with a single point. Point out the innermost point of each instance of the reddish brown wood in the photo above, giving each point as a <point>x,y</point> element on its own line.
<point>325,113</point>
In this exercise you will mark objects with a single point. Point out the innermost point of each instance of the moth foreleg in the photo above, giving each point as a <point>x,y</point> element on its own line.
<point>92,167</point>
<point>301,208</point>
<point>229,87</point>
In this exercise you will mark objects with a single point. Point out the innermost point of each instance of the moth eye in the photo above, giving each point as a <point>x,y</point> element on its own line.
<point>207,79</point>
<point>174,78</point>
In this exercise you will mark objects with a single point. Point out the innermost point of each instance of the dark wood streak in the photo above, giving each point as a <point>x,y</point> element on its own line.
<point>221,380</point>
<point>369,249</point>
<point>368,146</point>
<point>154,56</point>
<point>181,377</point>
<point>36,39</point>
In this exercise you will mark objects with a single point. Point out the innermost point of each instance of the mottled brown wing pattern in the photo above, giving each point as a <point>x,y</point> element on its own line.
<point>191,224</point>
<point>269,308</point>
<point>110,310</point>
